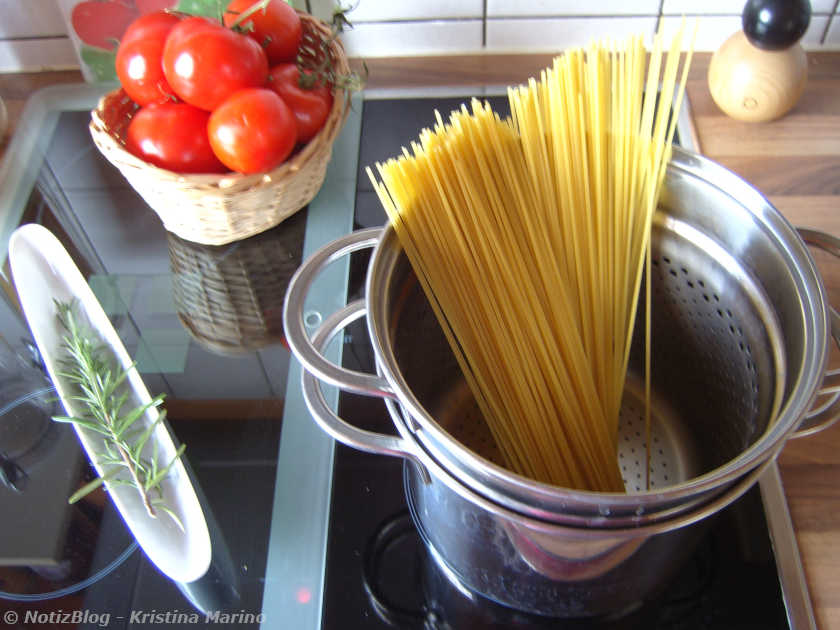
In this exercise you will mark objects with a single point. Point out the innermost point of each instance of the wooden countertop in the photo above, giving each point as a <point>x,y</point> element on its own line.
<point>795,161</point>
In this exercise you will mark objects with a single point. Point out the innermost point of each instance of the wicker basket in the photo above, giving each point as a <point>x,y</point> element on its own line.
<point>230,298</point>
<point>219,209</point>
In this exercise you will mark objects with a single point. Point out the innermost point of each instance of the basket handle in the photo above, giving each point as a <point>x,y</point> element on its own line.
<point>826,410</point>
<point>295,320</point>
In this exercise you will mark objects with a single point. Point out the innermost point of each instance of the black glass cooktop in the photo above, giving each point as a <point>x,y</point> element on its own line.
<point>306,534</point>
<point>379,573</point>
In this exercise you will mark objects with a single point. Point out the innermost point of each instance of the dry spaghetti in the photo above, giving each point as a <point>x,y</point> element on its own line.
<point>529,235</point>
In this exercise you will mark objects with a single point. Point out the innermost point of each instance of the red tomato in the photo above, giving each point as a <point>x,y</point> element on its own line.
<point>205,62</point>
<point>139,58</point>
<point>173,136</point>
<point>276,27</point>
<point>252,131</point>
<point>311,106</point>
<point>150,25</point>
<point>101,23</point>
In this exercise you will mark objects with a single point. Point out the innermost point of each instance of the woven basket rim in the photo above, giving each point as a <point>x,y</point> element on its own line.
<point>113,146</point>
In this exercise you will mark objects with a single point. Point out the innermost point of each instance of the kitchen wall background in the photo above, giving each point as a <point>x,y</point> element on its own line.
<point>39,35</point>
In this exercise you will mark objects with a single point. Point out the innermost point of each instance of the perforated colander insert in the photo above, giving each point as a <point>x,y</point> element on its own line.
<point>714,374</point>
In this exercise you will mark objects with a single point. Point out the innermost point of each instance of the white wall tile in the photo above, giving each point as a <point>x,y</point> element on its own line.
<point>33,33</point>
<point>34,55</point>
<point>531,8</point>
<point>393,39</point>
<point>385,10</point>
<point>713,30</point>
<point>822,6</point>
<point>30,18</point>
<point>390,10</point>
<point>727,7</point>
<point>812,39</point>
<point>832,38</point>
<point>706,7</point>
<point>556,34</point>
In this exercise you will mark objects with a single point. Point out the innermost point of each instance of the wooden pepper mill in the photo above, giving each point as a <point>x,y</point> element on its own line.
<point>759,73</point>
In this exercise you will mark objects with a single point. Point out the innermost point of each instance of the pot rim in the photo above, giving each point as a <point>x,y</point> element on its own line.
<point>520,493</point>
<point>597,527</point>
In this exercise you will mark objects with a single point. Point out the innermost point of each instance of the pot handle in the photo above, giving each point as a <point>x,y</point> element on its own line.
<point>332,424</point>
<point>826,410</point>
<point>295,320</point>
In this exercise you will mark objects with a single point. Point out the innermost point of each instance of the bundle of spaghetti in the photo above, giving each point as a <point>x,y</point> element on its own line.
<point>529,236</point>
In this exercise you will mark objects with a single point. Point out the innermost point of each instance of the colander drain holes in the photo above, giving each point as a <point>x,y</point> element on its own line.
<point>671,455</point>
<point>632,450</point>
<point>715,327</point>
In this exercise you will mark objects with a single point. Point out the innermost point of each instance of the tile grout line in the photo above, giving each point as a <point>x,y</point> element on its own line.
<point>830,21</point>
<point>660,17</point>
<point>484,24</point>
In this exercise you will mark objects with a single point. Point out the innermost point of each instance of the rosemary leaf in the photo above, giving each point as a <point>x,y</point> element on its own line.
<point>141,441</point>
<point>158,503</point>
<point>87,424</point>
<point>109,449</point>
<point>115,383</point>
<point>110,460</point>
<point>86,489</point>
<point>119,403</point>
<point>153,461</point>
<point>126,421</point>
<point>159,476</point>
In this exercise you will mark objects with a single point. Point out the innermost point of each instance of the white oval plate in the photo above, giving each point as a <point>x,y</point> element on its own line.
<point>44,272</point>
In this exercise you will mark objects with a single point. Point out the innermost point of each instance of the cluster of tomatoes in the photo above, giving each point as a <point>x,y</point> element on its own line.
<point>218,96</point>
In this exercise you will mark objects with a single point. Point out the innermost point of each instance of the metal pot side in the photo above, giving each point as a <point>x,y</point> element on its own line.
<point>549,569</point>
<point>739,342</point>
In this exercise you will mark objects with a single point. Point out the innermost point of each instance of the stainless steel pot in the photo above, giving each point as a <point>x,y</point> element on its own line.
<point>740,341</point>
<point>549,569</point>
<point>524,563</point>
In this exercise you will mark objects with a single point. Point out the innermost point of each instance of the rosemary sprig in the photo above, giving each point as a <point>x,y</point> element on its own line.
<point>100,388</point>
